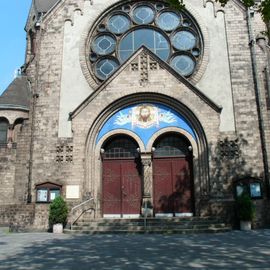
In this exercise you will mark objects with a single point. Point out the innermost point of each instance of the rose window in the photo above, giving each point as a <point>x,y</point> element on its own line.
<point>172,35</point>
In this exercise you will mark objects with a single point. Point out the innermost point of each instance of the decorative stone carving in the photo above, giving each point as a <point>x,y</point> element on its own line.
<point>146,160</point>
<point>228,149</point>
<point>134,66</point>
<point>144,68</point>
<point>153,65</point>
<point>64,153</point>
<point>147,176</point>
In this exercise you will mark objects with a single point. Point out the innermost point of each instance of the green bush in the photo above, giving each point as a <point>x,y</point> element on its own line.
<point>58,211</point>
<point>245,208</point>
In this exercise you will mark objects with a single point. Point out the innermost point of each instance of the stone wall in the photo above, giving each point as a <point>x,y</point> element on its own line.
<point>18,217</point>
<point>7,175</point>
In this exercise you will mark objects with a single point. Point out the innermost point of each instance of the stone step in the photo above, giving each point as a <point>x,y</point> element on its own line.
<point>153,225</point>
<point>156,231</point>
<point>150,221</point>
<point>147,222</point>
<point>157,227</point>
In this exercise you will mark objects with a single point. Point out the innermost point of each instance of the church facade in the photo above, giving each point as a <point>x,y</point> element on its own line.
<point>132,105</point>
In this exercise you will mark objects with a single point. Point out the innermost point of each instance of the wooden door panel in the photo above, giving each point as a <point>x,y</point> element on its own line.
<point>131,188</point>
<point>162,186</point>
<point>121,187</point>
<point>181,186</point>
<point>172,186</point>
<point>111,187</point>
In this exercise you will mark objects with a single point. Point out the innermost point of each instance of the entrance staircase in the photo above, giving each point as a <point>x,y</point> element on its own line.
<point>183,225</point>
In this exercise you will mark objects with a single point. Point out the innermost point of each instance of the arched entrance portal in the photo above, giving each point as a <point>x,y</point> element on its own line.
<point>172,176</point>
<point>122,189</point>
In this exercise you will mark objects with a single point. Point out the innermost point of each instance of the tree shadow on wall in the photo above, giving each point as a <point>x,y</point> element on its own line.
<point>180,201</point>
<point>228,164</point>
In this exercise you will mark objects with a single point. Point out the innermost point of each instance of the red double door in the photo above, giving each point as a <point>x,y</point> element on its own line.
<point>122,189</point>
<point>172,185</point>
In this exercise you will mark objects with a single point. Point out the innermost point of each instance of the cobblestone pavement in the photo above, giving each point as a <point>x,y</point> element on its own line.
<point>233,250</point>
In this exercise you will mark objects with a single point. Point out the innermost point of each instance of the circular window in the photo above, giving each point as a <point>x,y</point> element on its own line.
<point>143,15</point>
<point>184,40</point>
<point>183,64</point>
<point>104,44</point>
<point>106,67</point>
<point>118,24</point>
<point>152,39</point>
<point>172,35</point>
<point>168,21</point>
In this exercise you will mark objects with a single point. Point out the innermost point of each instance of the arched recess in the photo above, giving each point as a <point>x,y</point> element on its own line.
<point>4,126</point>
<point>196,160</point>
<point>17,128</point>
<point>92,182</point>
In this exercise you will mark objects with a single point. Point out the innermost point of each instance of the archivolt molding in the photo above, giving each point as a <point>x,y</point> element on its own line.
<point>93,163</point>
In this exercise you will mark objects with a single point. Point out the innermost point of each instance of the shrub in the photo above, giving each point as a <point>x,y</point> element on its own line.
<point>58,211</point>
<point>245,208</point>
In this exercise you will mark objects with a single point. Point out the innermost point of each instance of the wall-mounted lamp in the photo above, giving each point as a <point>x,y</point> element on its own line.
<point>153,149</point>
<point>102,151</point>
<point>190,148</point>
<point>138,150</point>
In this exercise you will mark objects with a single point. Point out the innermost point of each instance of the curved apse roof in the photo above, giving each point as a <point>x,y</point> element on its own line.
<point>17,95</point>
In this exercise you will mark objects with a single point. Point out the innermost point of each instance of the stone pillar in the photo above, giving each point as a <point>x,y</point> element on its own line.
<point>10,136</point>
<point>146,159</point>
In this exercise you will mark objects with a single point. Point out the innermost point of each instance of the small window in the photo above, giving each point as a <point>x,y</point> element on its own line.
<point>3,131</point>
<point>47,192</point>
<point>249,186</point>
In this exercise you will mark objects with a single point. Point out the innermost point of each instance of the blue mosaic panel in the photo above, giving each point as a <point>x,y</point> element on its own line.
<point>145,120</point>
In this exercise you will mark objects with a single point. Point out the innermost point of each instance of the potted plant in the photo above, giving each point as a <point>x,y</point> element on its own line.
<point>245,211</point>
<point>58,214</point>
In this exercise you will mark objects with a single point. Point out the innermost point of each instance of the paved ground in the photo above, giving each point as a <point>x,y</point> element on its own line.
<point>234,250</point>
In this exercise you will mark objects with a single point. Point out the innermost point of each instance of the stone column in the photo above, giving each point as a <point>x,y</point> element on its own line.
<point>10,135</point>
<point>146,159</point>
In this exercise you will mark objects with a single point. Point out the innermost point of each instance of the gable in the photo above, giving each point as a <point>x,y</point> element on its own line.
<point>140,69</point>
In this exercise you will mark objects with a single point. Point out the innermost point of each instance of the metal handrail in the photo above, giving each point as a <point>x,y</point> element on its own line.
<point>81,204</point>
<point>77,207</point>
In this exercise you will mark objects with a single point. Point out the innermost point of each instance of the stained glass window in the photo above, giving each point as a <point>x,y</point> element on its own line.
<point>171,145</point>
<point>183,64</point>
<point>105,67</point>
<point>172,35</point>
<point>103,44</point>
<point>168,21</point>
<point>143,15</point>
<point>121,147</point>
<point>150,38</point>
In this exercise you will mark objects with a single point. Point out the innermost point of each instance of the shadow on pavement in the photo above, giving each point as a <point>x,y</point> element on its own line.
<point>234,250</point>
